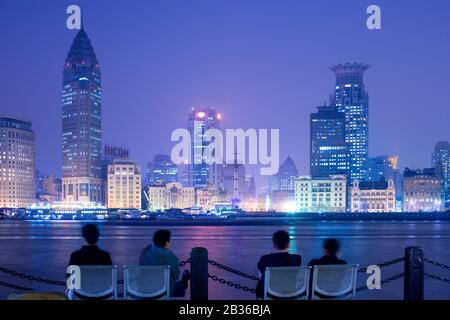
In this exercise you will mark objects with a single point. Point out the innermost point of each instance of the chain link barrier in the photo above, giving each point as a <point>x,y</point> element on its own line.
<point>31,278</point>
<point>436,264</point>
<point>384,264</point>
<point>231,284</point>
<point>383,282</point>
<point>433,277</point>
<point>15,287</point>
<point>231,270</point>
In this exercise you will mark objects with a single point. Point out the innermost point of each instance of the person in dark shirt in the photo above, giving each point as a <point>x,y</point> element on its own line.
<point>331,248</point>
<point>90,254</point>
<point>280,258</point>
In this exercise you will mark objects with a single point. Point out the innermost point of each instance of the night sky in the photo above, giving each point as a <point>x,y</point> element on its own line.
<point>261,63</point>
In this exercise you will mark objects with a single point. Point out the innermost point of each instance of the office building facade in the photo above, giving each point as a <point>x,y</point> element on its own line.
<point>352,100</point>
<point>124,185</point>
<point>372,196</point>
<point>202,171</point>
<point>17,163</point>
<point>171,196</point>
<point>327,194</point>
<point>441,163</point>
<point>423,191</point>
<point>161,170</point>
<point>81,124</point>
<point>329,152</point>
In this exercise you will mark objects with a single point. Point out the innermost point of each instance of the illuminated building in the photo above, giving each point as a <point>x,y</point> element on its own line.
<point>51,189</point>
<point>161,171</point>
<point>329,153</point>
<point>373,196</point>
<point>321,194</point>
<point>81,123</point>
<point>171,196</point>
<point>207,197</point>
<point>17,163</point>
<point>124,185</point>
<point>441,162</point>
<point>384,168</point>
<point>351,99</point>
<point>284,180</point>
<point>201,170</point>
<point>423,191</point>
<point>283,201</point>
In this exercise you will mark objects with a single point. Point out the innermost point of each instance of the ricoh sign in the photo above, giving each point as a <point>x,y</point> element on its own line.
<point>113,152</point>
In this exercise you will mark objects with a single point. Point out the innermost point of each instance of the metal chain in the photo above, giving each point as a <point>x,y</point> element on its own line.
<point>384,265</point>
<point>441,279</point>
<point>231,270</point>
<point>436,264</point>
<point>231,284</point>
<point>15,287</point>
<point>31,278</point>
<point>185,262</point>
<point>383,282</point>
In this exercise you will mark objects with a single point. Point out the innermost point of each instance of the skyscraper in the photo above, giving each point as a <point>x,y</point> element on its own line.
<point>329,153</point>
<point>284,180</point>
<point>441,162</point>
<point>384,168</point>
<point>161,171</point>
<point>81,123</point>
<point>202,171</point>
<point>17,163</point>
<point>351,99</point>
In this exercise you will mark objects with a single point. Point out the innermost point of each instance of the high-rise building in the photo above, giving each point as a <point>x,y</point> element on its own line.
<point>441,163</point>
<point>326,194</point>
<point>284,180</point>
<point>329,152</point>
<point>17,163</point>
<point>202,171</point>
<point>372,196</point>
<point>384,168</point>
<point>423,191</point>
<point>124,185</point>
<point>81,123</point>
<point>161,171</point>
<point>351,99</point>
<point>381,168</point>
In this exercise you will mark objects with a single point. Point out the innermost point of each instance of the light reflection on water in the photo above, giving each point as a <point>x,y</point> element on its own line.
<point>43,248</point>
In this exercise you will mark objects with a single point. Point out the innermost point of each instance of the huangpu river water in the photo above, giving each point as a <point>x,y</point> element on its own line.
<point>43,249</point>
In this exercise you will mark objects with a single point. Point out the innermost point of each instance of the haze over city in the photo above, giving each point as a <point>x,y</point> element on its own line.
<point>261,64</point>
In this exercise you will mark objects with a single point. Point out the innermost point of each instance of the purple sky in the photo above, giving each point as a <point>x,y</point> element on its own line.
<point>263,64</point>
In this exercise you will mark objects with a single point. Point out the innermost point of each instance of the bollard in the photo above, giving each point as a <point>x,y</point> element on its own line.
<point>199,274</point>
<point>414,274</point>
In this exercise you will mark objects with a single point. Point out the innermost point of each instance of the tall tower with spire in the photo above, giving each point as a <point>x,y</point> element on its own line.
<point>351,98</point>
<point>81,123</point>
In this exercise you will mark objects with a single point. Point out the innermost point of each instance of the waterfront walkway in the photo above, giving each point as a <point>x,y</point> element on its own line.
<point>415,270</point>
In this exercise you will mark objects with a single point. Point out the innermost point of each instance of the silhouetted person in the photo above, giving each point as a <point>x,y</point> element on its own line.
<point>90,254</point>
<point>331,248</point>
<point>280,258</point>
<point>159,254</point>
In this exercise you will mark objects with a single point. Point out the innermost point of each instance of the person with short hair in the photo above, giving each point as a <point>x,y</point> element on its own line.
<point>280,258</point>
<point>90,253</point>
<point>158,254</point>
<point>331,249</point>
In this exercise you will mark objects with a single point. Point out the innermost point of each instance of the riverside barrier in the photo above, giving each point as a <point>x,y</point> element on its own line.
<point>414,273</point>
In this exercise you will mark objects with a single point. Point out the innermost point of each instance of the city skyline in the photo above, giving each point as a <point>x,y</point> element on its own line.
<point>238,103</point>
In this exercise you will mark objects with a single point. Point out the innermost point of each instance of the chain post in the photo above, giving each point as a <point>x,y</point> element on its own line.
<point>414,274</point>
<point>199,274</point>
